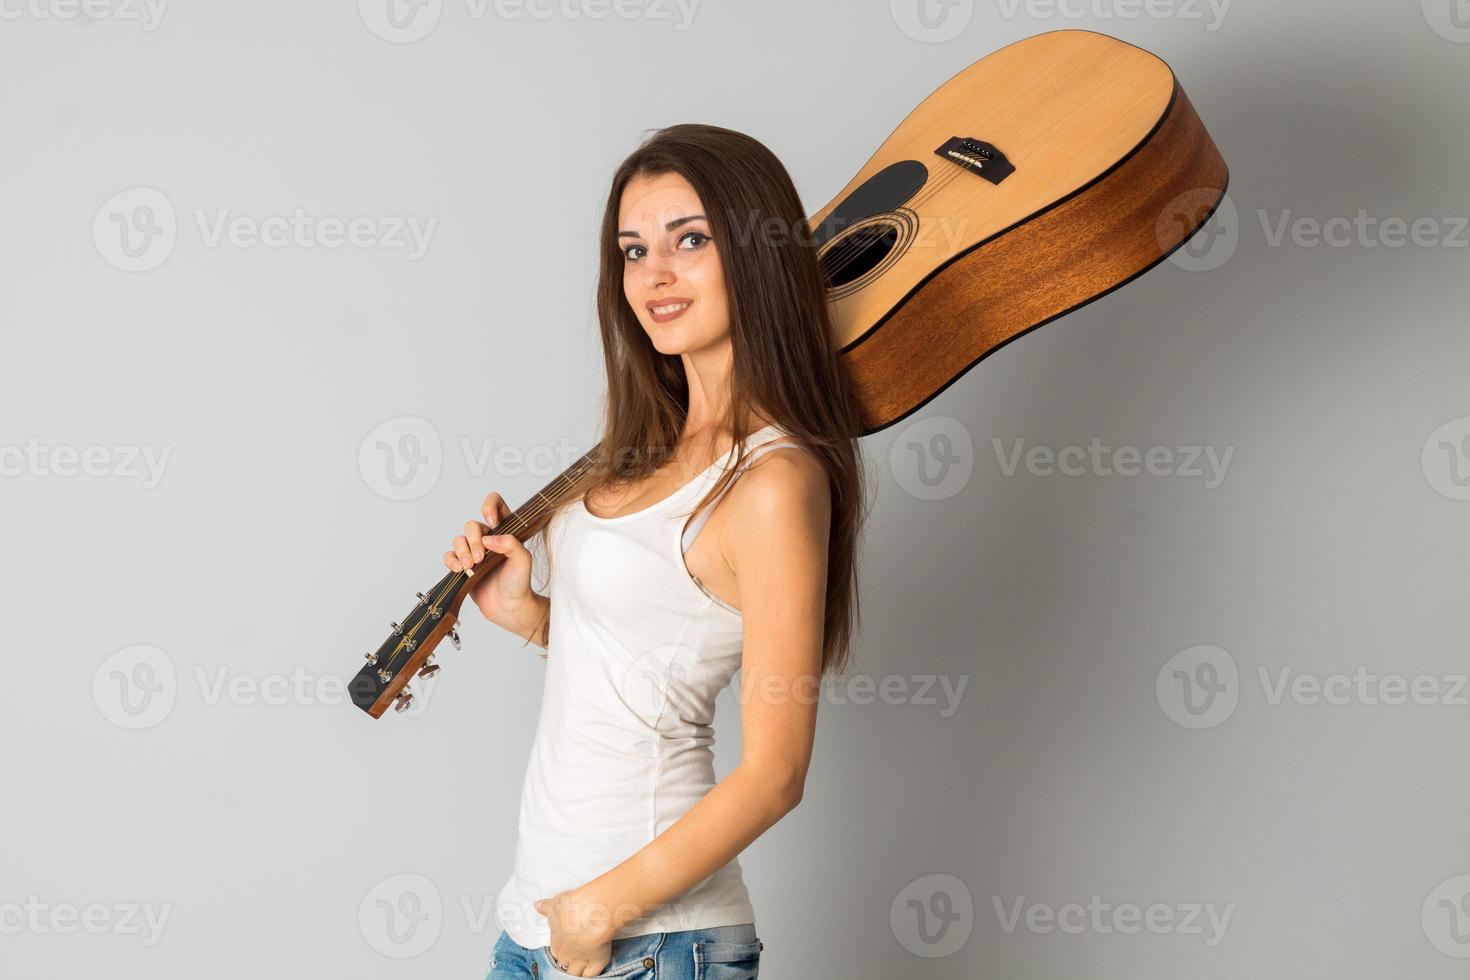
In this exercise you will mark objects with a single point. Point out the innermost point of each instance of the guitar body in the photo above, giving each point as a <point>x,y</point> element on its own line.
<point>1113,170</point>
<point>1037,179</point>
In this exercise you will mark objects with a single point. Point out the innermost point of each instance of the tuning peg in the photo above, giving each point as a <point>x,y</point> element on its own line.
<point>429,669</point>
<point>397,630</point>
<point>372,658</point>
<point>385,675</point>
<point>423,599</point>
<point>404,699</point>
<point>454,636</point>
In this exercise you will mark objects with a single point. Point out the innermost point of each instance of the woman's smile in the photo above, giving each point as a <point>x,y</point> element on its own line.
<point>670,308</point>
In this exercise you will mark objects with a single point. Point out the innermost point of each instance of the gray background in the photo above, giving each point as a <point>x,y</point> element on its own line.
<point>293,838</point>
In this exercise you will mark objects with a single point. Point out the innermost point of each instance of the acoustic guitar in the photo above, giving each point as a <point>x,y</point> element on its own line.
<point>1036,180</point>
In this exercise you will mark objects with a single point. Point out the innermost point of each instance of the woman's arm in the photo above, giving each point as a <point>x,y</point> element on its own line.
<point>528,621</point>
<point>777,548</point>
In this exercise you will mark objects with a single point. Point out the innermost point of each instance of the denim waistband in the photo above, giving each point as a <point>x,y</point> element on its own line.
<point>742,933</point>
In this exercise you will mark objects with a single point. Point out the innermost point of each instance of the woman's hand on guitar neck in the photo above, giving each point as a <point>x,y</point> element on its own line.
<point>502,593</point>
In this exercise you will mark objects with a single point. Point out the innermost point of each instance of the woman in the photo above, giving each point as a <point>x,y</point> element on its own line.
<point>715,334</point>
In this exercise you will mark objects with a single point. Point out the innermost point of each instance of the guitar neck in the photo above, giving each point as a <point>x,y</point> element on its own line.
<point>409,649</point>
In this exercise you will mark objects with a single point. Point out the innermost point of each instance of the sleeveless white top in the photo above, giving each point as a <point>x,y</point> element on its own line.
<point>637,653</point>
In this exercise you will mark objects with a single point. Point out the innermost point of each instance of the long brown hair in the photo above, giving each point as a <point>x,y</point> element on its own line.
<point>784,364</point>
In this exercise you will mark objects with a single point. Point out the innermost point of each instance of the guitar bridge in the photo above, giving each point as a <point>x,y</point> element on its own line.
<point>978,157</point>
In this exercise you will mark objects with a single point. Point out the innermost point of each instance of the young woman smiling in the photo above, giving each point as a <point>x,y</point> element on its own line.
<point>722,536</point>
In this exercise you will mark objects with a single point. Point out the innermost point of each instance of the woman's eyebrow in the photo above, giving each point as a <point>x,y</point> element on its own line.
<point>668,227</point>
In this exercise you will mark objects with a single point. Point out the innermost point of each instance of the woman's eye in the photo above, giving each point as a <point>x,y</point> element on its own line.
<point>635,252</point>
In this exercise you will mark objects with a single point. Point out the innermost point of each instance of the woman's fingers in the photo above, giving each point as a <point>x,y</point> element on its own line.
<point>474,533</point>
<point>469,548</point>
<point>506,544</point>
<point>494,509</point>
<point>462,551</point>
<point>511,547</point>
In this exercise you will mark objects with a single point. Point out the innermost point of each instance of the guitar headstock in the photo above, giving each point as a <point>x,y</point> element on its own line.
<point>408,651</point>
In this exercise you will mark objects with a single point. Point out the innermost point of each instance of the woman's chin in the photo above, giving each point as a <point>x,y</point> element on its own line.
<point>677,338</point>
<point>669,342</point>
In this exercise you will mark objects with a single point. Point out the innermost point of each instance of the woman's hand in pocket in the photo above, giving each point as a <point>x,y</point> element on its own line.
<point>581,940</point>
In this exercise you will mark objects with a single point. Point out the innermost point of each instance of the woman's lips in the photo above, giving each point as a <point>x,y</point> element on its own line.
<point>675,301</point>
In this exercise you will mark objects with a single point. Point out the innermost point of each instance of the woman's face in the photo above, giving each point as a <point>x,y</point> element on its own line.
<point>670,261</point>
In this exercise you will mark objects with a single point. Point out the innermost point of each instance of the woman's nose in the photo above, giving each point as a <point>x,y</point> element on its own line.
<point>658,269</point>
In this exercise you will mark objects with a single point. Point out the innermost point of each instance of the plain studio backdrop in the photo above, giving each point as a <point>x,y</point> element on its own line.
<point>1163,659</point>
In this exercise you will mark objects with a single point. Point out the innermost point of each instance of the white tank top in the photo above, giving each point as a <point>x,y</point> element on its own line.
<point>638,651</point>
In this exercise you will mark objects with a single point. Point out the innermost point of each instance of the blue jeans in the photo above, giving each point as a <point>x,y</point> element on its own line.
<point>720,953</point>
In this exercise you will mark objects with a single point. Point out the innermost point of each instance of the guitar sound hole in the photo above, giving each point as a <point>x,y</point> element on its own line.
<point>856,254</point>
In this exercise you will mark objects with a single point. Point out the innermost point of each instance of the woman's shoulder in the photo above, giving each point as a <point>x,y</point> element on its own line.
<point>782,508</point>
<point>783,476</point>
